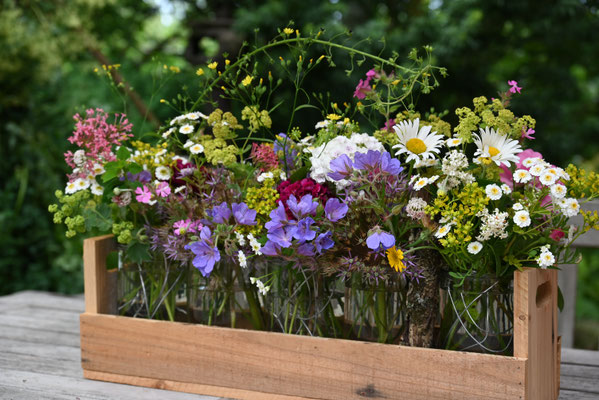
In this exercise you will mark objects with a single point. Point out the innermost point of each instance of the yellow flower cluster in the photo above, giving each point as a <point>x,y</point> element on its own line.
<point>591,220</point>
<point>152,156</point>
<point>459,206</point>
<point>256,118</point>
<point>493,115</point>
<point>263,199</point>
<point>216,149</point>
<point>582,183</point>
<point>438,125</point>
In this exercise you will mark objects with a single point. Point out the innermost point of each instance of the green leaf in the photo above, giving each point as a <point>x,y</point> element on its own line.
<point>99,217</point>
<point>138,252</point>
<point>299,174</point>
<point>134,168</point>
<point>306,106</point>
<point>123,153</point>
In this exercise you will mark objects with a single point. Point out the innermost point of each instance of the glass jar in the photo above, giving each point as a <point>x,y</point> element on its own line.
<point>477,315</point>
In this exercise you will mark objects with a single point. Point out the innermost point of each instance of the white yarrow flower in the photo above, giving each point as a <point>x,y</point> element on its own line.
<point>537,169</point>
<point>547,178</point>
<point>96,189</point>
<point>570,207</point>
<point>81,184</point>
<point>522,218</point>
<point>474,247</point>
<point>493,192</point>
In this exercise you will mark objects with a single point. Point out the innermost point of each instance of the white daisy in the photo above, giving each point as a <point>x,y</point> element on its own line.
<point>167,133</point>
<point>506,189</point>
<point>186,129</point>
<point>178,119</point>
<point>196,149</point>
<point>70,188</point>
<point>545,259</point>
<point>518,207</point>
<point>81,184</point>
<point>264,175</point>
<point>522,176</point>
<point>493,192</point>
<point>242,259</point>
<point>442,231</point>
<point>96,189</point>
<point>188,144</point>
<point>420,183</point>
<point>453,142</point>
<point>419,143</point>
<point>558,191</point>
<point>537,169</point>
<point>98,169</point>
<point>522,218</point>
<point>322,124</point>
<point>195,115</point>
<point>474,247</point>
<point>530,161</point>
<point>433,179</point>
<point>496,147</point>
<point>163,173</point>
<point>571,207</point>
<point>547,178</point>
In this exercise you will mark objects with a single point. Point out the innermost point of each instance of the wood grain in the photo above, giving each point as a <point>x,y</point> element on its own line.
<point>292,365</point>
<point>99,289</point>
<point>535,330</point>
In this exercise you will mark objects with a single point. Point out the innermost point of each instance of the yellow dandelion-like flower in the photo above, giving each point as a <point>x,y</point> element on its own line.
<point>200,72</point>
<point>287,31</point>
<point>213,65</point>
<point>247,80</point>
<point>395,257</point>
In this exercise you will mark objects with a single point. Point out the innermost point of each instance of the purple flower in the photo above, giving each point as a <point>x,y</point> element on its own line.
<point>306,249</point>
<point>271,249</point>
<point>335,209</point>
<point>284,148</point>
<point>376,162</point>
<point>303,232</point>
<point>341,168</point>
<point>324,242</point>
<point>281,237</point>
<point>378,238</point>
<point>278,218</point>
<point>206,254</point>
<point>221,213</point>
<point>243,214</point>
<point>305,207</point>
<point>143,177</point>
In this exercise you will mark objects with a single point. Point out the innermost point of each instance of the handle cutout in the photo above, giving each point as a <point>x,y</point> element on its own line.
<point>543,294</point>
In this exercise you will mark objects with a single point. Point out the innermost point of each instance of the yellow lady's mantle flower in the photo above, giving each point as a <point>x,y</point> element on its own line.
<point>247,80</point>
<point>395,257</point>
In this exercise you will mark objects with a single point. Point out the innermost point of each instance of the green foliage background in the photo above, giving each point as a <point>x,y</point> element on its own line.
<point>49,52</point>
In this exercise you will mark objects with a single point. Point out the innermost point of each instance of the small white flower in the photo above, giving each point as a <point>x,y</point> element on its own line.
<point>70,188</point>
<point>163,173</point>
<point>321,124</point>
<point>195,115</point>
<point>283,176</point>
<point>433,179</point>
<point>453,142</point>
<point>186,129</point>
<point>96,189</point>
<point>260,285</point>
<point>558,191</point>
<point>506,189</point>
<point>81,184</point>
<point>493,192</point>
<point>196,149</point>
<point>522,218</point>
<point>518,206</point>
<point>161,153</point>
<point>264,175</point>
<point>537,169</point>
<point>79,157</point>
<point>242,259</point>
<point>546,259</point>
<point>420,183</point>
<point>188,144</point>
<point>522,176</point>
<point>98,169</point>
<point>571,207</point>
<point>442,231</point>
<point>179,189</point>
<point>547,178</point>
<point>240,238</point>
<point>474,247</point>
<point>529,162</point>
<point>167,133</point>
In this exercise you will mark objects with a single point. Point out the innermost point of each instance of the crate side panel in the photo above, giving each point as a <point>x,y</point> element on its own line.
<point>292,365</point>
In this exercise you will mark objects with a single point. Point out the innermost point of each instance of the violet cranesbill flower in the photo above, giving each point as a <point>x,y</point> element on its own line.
<point>303,232</point>
<point>306,249</point>
<point>306,206</point>
<point>243,214</point>
<point>281,236</point>
<point>334,209</point>
<point>375,161</point>
<point>324,242</point>
<point>143,195</point>
<point>341,168</point>
<point>380,238</point>
<point>278,218</point>
<point>271,249</point>
<point>206,254</point>
<point>221,213</point>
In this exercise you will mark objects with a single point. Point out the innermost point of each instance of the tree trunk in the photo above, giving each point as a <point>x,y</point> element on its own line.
<point>423,300</point>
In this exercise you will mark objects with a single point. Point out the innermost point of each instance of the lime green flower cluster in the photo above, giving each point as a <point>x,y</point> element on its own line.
<point>216,149</point>
<point>70,211</point>
<point>460,207</point>
<point>152,156</point>
<point>256,118</point>
<point>582,184</point>
<point>263,199</point>
<point>490,114</point>
<point>122,231</point>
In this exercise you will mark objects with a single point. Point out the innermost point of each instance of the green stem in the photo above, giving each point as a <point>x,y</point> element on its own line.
<point>381,313</point>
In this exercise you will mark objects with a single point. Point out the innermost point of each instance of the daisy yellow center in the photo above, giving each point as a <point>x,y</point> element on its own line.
<point>416,146</point>
<point>395,258</point>
<point>493,151</point>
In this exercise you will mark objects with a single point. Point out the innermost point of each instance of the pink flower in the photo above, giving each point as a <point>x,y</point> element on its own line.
<point>186,225</point>
<point>557,234</point>
<point>143,195</point>
<point>528,134</point>
<point>388,125</point>
<point>362,89</point>
<point>370,74</point>
<point>514,87</point>
<point>163,189</point>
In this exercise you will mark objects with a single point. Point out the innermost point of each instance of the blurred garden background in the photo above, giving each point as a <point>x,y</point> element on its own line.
<point>51,68</point>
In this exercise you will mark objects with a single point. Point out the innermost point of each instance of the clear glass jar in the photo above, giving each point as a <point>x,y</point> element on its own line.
<point>477,315</point>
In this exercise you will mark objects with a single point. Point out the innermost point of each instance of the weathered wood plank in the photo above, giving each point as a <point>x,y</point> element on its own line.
<point>576,395</point>
<point>583,357</point>
<point>581,371</point>
<point>99,288</point>
<point>31,385</point>
<point>34,298</point>
<point>36,323</point>
<point>40,336</point>
<point>292,365</point>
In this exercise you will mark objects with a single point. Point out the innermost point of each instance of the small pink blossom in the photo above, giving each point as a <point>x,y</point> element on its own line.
<point>370,74</point>
<point>514,87</point>
<point>187,225</point>
<point>163,189</point>
<point>362,89</point>
<point>557,234</point>
<point>528,133</point>
<point>143,195</point>
<point>388,125</point>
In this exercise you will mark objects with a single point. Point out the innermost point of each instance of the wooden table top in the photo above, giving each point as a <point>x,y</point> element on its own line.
<point>40,356</point>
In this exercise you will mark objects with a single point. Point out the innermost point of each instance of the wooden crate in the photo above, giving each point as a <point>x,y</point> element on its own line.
<point>246,364</point>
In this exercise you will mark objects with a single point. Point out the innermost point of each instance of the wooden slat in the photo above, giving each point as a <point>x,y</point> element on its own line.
<point>292,365</point>
<point>98,298</point>
<point>580,357</point>
<point>535,330</point>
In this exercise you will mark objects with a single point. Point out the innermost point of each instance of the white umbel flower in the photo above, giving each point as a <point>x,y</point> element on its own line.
<point>498,148</point>
<point>522,176</point>
<point>419,143</point>
<point>558,191</point>
<point>163,173</point>
<point>493,192</point>
<point>242,259</point>
<point>545,259</point>
<point>474,247</point>
<point>522,218</point>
